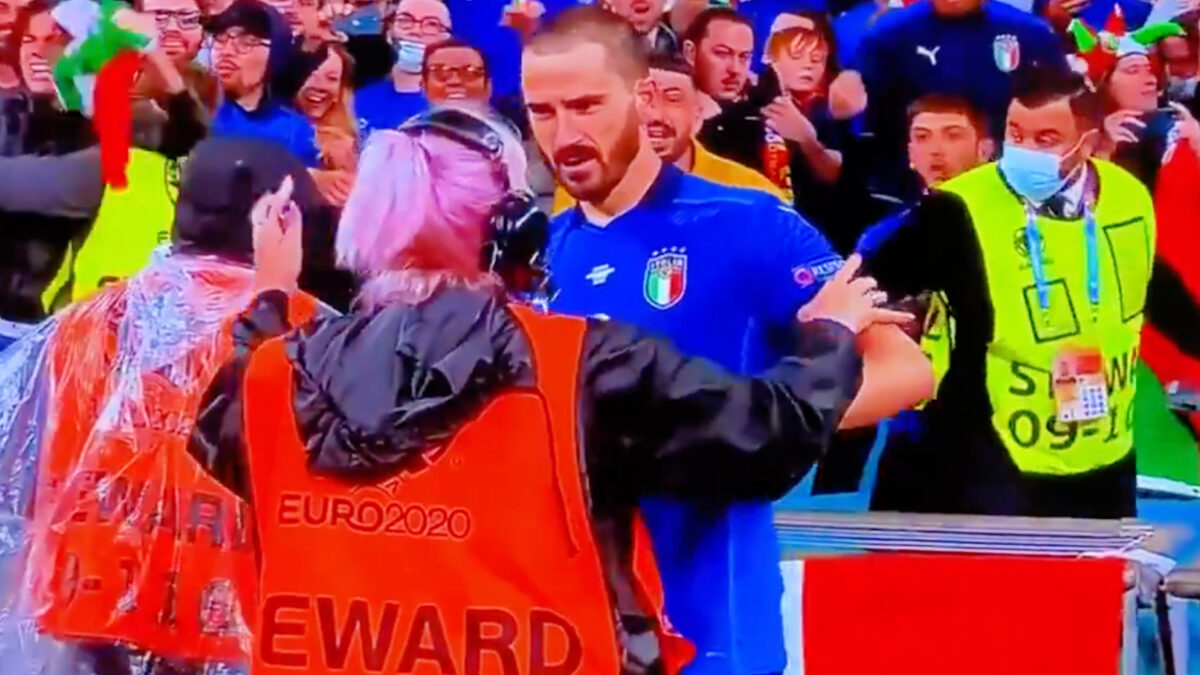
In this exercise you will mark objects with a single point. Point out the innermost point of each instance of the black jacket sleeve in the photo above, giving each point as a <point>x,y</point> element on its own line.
<point>686,427</point>
<point>216,440</point>
<point>185,125</point>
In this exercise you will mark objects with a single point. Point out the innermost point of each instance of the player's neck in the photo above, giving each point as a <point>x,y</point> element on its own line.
<point>629,191</point>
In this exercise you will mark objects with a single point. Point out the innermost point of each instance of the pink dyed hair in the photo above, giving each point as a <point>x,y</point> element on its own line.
<point>416,216</point>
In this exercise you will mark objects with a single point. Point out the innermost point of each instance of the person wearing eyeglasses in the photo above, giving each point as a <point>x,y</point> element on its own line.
<point>179,33</point>
<point>454,72</point>
<point>415,26</point>
<point>252,43</point>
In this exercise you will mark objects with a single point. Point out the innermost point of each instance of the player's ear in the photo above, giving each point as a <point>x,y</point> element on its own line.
<point>689,52</point>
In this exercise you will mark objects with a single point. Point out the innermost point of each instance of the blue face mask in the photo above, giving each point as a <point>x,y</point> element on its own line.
<point>1034,174</point>
<point>410,56</point>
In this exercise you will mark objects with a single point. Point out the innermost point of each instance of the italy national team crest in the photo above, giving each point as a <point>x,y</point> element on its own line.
<point>666,277</point>
<point>1007,52</point>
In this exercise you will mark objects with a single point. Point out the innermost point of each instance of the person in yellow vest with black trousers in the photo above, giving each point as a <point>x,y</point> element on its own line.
<point>127,224</point>
<point>70,186</point>
<point>1044,259</point>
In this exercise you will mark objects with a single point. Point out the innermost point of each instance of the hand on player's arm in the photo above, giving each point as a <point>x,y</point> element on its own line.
<point>896,374</point>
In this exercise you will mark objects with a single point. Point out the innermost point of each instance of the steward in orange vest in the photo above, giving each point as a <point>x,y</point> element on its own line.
<point>132,546</point>
<point>450,488</point>
<point>449,485</point>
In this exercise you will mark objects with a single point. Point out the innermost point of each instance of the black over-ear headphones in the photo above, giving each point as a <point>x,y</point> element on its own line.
<point>518,229</point>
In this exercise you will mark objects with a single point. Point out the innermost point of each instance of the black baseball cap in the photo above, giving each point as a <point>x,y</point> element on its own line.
<point>222,179</point>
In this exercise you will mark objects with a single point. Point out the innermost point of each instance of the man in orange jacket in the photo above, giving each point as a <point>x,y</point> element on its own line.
<point>453,478</point>
<point>132,549</point>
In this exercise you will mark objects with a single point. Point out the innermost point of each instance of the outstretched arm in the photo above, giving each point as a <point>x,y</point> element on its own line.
<point>690,428</point>
<point>65,186</point>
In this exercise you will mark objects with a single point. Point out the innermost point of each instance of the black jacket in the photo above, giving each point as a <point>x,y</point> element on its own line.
<point>373,390</point>
<point>33,246</point>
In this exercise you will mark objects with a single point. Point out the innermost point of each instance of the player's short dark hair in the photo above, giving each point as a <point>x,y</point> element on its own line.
<point>627,51</point>
<point>699,29</point>
<point>454,43</point>
<point>1038,85</point>
<point>948,104</point>
<point>671,62</point>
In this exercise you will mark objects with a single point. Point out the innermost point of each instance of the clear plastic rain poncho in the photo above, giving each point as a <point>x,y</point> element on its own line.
<point>119,554</point>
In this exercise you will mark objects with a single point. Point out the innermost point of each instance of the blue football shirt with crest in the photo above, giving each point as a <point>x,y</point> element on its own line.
<point>718,270</point>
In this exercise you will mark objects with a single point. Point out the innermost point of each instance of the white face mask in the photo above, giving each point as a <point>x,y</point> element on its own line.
<point>410,56</point>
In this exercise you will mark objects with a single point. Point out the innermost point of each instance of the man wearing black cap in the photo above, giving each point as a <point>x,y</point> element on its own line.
<point>147,347</point>
<point>251,45</point>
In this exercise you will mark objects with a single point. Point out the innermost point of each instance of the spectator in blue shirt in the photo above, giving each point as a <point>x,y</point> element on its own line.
<point>415,26</point>
<point>966,48</point>
<point>251,44</point>
<point>718,270</point>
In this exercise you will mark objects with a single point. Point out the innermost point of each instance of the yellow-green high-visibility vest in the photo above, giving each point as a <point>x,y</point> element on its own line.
<point>130,224</point>
<point>1027,339</point>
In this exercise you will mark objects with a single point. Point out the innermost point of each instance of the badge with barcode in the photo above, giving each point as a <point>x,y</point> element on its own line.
<point>1080,390</point>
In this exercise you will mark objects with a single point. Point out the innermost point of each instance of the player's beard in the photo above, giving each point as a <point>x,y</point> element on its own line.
<point>613,164</point>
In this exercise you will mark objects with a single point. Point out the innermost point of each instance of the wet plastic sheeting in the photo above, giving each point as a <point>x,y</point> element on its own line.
<point>118,553</point>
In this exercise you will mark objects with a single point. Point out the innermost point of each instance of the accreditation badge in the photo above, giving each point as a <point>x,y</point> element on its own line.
<point>1080,390</point>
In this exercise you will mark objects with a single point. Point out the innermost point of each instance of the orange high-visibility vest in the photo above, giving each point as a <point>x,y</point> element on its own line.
<point>134,542</point>
<point>477,559</point>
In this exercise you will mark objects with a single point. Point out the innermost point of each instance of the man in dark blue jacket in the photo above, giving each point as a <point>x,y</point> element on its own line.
<point>965,48</point>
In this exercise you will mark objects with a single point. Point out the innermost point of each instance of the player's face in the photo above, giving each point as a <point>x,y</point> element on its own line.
<point>179,29</point>
<point>722,59</point>
<point>643,14</point>
<point>671,118</point>
<point>800,61</point>
<point>41,45</point>
<point>1133,84</point>
<point>584,117</point>
<point>942,145</point>
<point>322,89</point>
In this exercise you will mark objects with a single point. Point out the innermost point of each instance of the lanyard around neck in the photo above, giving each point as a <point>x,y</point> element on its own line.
<point>1034,244</point>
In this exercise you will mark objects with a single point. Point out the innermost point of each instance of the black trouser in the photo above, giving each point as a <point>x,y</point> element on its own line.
<point>976,475</point>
